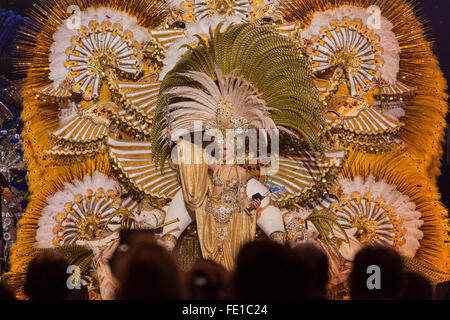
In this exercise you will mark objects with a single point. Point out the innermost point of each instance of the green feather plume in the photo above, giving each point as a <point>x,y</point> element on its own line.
<point>276,67</point>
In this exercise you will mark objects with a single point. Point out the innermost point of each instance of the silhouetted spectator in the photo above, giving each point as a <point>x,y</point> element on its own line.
<point>314,279</point>
<point>47,277</point>
<point>363,280</point>
<point>263,271</point>
<point>443,291</point>
<point>78,294</point>
<point>149,272</point>
<point>6,293</point>
<point>208,280</point>
<point>127,239</point>
<point>416,287</point>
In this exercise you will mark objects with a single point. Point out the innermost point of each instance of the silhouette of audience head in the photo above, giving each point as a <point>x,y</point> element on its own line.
<point>367,284</point>
<point>416,287</point>
<point>47,276</point>
<point>149,272</point>
<point>127,239</point>
<point>442,291</point>
<point>208,280</point>
<point>6,293</point>
<point>264,271</point>
<point>313,260</point>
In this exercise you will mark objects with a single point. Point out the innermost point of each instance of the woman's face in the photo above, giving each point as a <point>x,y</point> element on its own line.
<point>226,153</point>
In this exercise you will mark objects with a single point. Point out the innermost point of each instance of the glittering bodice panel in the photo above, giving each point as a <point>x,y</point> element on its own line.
<point>227,202</point>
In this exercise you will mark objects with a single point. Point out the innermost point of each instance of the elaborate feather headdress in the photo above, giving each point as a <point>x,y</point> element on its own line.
<point>228,103</point>
<point>247,75</point>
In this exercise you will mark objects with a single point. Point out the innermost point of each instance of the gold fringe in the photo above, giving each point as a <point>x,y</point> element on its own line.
<point>435,276</point>
<point>188,251</point>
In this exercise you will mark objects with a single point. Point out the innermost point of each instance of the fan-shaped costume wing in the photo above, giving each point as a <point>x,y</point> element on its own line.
<point>134,161</point>
<point>304,178</point>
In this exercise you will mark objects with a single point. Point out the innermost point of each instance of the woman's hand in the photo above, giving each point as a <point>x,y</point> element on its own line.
<point>255,204</point>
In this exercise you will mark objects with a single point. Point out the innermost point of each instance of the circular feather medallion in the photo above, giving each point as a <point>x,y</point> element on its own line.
<point>90,212</point>
<point>104,39</point>
<point>96,49</point>
<point>82,211</point>
<point>376,212</point>
<point>347,38</point>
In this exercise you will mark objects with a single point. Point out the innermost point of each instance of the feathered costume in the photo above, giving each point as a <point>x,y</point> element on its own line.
<point>352,86</point>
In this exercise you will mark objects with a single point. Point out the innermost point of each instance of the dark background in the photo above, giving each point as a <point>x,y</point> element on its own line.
<point>435,14</point>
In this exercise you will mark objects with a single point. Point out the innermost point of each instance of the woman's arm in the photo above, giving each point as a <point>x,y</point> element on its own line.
<point>176,210</point>
<point>269,216</point>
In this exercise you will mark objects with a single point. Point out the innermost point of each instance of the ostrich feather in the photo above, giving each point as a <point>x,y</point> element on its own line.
<point>201,104</point>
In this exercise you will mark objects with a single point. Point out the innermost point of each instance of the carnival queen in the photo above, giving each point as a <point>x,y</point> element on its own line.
<point>226,201</point>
